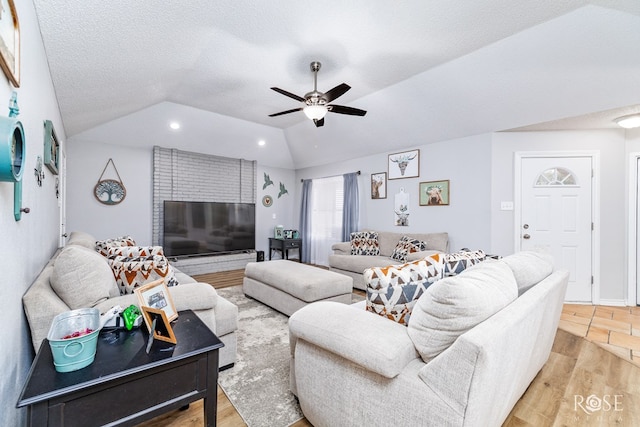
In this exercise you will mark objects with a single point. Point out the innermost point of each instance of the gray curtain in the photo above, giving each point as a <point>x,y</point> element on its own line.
<point>305,220</point>
<point>351,206</point>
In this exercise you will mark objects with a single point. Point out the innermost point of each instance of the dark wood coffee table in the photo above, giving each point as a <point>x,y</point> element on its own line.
<point>125,385</point>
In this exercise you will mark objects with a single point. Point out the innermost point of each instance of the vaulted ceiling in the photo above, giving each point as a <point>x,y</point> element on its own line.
<point>425,70</point>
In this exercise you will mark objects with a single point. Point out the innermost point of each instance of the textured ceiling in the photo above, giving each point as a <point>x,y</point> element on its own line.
<point>112,59</point>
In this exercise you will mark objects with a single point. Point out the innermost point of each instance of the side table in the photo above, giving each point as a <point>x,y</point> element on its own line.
<point>125,385</point>
<point>283,245</point>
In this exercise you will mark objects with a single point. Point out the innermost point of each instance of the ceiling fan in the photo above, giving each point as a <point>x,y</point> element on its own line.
<point>317,104</point>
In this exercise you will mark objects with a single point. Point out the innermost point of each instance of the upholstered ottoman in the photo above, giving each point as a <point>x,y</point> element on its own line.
<point>288,286</point>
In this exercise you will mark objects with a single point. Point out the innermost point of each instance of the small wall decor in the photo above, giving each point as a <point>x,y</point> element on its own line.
<point>51,147</point>
<point>434,193</point>
<point>110,191</point>
<point>401,208</point>
<point>38,171</point>
<point>267,201</point>
<point>10,41</point>
<point>379,185</point>
<point>283,190</point>
<point>404,165</point>
<point>267,181</point>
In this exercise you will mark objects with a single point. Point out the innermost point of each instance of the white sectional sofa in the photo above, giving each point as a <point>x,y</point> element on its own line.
<point>341,261</point>
<point>353,367</point>
<point>90,285</point>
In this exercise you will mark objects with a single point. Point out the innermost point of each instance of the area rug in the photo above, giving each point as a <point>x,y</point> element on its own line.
<point>258,383</point>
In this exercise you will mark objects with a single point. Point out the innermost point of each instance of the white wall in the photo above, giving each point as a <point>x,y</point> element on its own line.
<point>613,183</point>
<point>25,246</point>
<point>133,216</point>
<point>466,162</point>
<point>283,207</point>
<point>86,160</point>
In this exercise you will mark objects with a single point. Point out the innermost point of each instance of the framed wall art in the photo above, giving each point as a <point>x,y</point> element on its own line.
<point>434,193</point>
<point>379,185</point>
<point>10,42</point>
<point>156,295</point>
<point>404,165</point>
<point>51,148</point>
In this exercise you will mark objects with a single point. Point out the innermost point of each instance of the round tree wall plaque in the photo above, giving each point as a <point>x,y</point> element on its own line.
<point>110,191</point>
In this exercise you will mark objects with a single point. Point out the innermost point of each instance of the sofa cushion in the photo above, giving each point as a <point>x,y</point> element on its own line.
<point>83,239</point>
<point>365,243</point>
<point>407,245</point>
<point>455,304</point>
<point>358,263</point>
<point>102,246</point>
<point>457,262</point>
<point>529,268</point>
<point>82,278</point>
<point>133,272</point>
<point>393,291</point>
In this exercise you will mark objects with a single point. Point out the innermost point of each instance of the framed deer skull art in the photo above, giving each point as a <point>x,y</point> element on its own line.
<point>404,165</point>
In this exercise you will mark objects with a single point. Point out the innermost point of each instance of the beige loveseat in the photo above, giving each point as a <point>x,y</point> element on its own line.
<point>341,261</point>
<point>81,267</point>
<point>451,366</point>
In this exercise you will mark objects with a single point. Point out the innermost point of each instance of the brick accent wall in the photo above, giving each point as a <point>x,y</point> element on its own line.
<point>186,176</point>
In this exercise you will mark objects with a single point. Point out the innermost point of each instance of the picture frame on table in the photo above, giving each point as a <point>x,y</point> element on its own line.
<point>10,42</point>
<point>51,148</point>
<point>434,193</point>
<point>379,185</point>
<point>405,164</point>
<point>162,330</point>
<point>156,295</point>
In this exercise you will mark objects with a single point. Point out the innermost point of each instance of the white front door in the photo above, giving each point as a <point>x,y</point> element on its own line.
<point>556,215</point>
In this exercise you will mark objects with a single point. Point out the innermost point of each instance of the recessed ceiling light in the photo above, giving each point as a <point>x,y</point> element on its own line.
<point>628,122</point>
<point>174,125</point>
<point>262,142</point>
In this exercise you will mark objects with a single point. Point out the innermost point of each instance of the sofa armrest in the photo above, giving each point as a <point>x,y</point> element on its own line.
<point>341,248</point>
<point>415,256</point>
<point>371,341</point>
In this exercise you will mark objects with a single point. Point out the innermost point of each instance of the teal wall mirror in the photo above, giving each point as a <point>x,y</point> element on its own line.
<point>12,159</point>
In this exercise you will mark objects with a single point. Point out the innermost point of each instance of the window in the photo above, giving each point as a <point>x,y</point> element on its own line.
<point>326,217</point>
<point>556,177</point>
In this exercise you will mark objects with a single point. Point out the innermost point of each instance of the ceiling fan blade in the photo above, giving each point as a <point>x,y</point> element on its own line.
<point>319,123</point>
<point>341,109</point>
<point>289,94</point>
<point>336,92</point>
<point>285,112</point>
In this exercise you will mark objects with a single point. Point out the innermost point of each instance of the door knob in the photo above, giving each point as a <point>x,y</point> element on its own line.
<point>526,237</point>
<point>526,226</point>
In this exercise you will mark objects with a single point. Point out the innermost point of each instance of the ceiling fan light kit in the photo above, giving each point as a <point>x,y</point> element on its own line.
<point>316,104</point>
<point>315,112</point>
<point>629,122</point>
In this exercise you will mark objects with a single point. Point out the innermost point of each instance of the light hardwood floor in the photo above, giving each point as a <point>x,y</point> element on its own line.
<point>595,358</point>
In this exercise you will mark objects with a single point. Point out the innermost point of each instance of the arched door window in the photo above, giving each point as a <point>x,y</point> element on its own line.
<point>556,177</point>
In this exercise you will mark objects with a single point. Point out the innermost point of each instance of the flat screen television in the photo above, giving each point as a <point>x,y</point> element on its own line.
<point>208,228</point>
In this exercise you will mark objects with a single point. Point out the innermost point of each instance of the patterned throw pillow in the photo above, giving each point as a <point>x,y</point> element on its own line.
<point>407,245</point>
<point>131,273</point>
<point>455,263</point>
<point>365,243</point>
<point>134,251</point>
<point>393,291</point>
<point>102,246</point>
